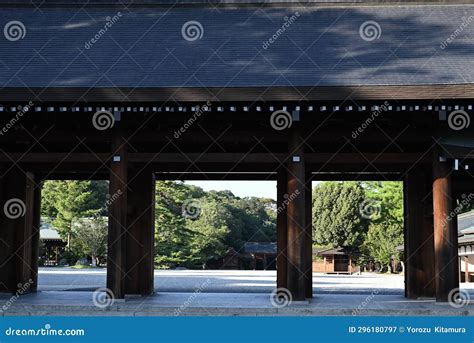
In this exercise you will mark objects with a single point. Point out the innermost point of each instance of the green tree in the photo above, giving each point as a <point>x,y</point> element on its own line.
<point>337,220</point>
<point>194,226</point>
<point>171,234</point>
<point>209,229</point>
<point>91,234</point>
<point>65,201</point>
<point>385,232</point>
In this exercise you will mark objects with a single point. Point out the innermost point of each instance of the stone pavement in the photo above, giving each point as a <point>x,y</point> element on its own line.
<point>71,292</point>
<point>75,303</point>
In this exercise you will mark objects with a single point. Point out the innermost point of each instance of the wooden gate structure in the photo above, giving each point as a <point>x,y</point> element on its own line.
<point>138,91</point>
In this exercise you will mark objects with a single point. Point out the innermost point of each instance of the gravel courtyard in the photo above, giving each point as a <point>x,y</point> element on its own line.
<point>219,281</point>
<point>224,281</point>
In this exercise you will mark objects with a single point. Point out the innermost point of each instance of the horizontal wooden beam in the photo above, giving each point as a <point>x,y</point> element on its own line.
<point>51,157</point>
<point>262,158</point>
<point>220,158</point>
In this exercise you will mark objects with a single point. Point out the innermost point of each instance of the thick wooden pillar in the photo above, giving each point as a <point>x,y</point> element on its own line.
<point>296,217</point>
<point>309,234</point>
<point>141,231</point>
<point>445,233</point>
<point>282,238</point>
<point>35,242</point>
<point>419,240</point>
<point>18,235</point>
<point>116,248</point>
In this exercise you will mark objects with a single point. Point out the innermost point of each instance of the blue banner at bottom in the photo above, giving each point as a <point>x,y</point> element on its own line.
<point>237,329</point>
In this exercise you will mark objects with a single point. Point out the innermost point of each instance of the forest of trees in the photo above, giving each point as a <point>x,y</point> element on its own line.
<point>193,226</point>
<point>367,216</point>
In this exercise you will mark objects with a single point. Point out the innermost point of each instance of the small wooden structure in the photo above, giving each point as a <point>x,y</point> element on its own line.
<point>336,261</point>
<point>230,260</point>
<point>262,255</point>
<point>466,246</point>
<point>52,245</point>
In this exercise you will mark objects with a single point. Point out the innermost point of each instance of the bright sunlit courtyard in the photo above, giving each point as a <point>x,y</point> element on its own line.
<point>223,281</point>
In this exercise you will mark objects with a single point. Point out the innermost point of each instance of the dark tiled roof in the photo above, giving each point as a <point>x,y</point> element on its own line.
<point>322,47</point>
<point>40,3</point>
<point>260,248</point>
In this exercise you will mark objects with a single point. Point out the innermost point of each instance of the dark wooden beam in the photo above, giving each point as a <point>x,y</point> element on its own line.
<point>419,241</point>
<point>101,175</point>
<point>296,211</point>
<point>445,234</point>
<point>116,252</point>
<point>141,232</point>
<point>282,234</point>
<point>222,158</point>
<point>36,226</point>
<point>52,157</point>
<point>19,237</point>
<point>309,234</point>
<point>311,158</point>
<point>7,241</point>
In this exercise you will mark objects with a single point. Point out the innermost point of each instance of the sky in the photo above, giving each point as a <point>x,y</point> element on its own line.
<point>264,189</point>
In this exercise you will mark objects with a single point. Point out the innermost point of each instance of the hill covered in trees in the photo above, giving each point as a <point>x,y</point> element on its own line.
<point>193,226</point>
